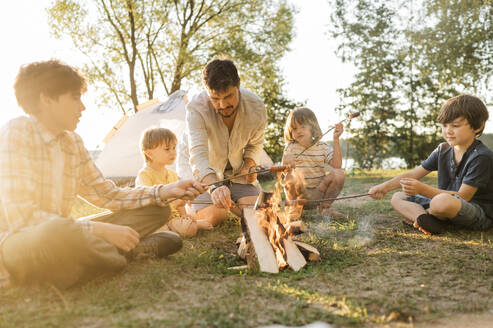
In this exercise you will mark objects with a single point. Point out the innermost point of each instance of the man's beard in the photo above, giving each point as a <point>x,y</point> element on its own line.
<point>229,115</point>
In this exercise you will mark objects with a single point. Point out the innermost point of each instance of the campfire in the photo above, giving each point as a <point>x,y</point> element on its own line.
<point>268,233</point>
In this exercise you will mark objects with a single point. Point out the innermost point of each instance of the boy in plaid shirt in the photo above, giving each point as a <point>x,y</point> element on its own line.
<point>43,167</point>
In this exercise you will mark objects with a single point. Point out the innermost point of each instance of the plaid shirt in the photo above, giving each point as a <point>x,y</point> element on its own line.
<point>27,184</point>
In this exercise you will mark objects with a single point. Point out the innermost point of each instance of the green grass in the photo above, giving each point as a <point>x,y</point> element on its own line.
<point>373,271</point>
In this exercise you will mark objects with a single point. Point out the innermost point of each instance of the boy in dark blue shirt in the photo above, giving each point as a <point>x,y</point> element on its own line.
<point>464,196</point>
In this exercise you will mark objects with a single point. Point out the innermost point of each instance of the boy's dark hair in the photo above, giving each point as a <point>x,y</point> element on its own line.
<point>467,106</point>
<point>220,74</point>
<point>51,78</point>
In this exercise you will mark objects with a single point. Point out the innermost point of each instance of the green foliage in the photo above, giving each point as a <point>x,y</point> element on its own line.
<point>409,62</point>
<point>139,49</point>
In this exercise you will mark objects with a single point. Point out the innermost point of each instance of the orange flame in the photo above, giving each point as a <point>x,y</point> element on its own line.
<point>274,218</point>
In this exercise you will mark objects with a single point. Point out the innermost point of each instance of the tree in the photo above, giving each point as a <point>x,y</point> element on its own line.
<point>139,48</point>
<point>450,53</point>
<point>367,36</point>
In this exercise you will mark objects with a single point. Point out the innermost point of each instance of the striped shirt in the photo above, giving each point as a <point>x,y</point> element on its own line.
<point>30,191</point>
<point>313,163</point>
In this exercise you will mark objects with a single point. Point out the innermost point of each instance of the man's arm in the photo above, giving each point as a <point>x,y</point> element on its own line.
<point>256,142</point>
<point>412,187</point>
<point>198,145</point>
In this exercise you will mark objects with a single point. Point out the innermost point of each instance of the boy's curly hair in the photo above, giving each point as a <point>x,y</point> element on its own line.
<point>467,106</point>
<point>302,116</point>
<point>155,137</point>
<point>51,78</point>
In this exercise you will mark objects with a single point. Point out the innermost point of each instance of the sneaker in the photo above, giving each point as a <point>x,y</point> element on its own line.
<point>431,224</point>
<point>157,245</point>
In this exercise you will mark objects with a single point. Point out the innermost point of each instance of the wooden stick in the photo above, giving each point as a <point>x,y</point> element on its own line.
<point>289,202</point>
<point>275,168</point>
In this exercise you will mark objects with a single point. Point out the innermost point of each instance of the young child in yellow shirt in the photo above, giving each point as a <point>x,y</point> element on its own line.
<point>158,145</point>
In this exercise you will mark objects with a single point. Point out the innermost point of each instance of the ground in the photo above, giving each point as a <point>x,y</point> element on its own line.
<point>374,272</point>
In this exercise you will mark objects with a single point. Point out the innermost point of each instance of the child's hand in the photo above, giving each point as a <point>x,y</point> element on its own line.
<point>411,186</point>
<point>377,192</point>
<point>338,130</point>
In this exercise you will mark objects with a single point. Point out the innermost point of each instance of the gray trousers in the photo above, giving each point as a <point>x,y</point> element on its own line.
<point>61,252</point>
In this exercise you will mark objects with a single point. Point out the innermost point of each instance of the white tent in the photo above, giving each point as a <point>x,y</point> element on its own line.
<point>121,156</point>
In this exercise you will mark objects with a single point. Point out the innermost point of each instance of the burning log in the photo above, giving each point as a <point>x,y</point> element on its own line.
<point>295,227</point>
<point>259,249</point>
<point>294,257</point>
<point>309,252</point>
<point>267,231</point>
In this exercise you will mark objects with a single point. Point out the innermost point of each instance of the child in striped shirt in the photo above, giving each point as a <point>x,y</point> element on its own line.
<point>318,173</point>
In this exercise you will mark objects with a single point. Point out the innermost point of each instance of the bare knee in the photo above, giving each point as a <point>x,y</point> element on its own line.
<point>441,204</point>
<point>213,214</point>
<point>398,198</point>
<point>339,177</point>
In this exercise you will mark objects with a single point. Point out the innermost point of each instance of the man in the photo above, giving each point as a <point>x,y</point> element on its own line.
<point>225,128</point>
<point>43,167</point>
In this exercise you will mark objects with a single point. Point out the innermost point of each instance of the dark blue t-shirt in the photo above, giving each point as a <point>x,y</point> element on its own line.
<point>475,169</point>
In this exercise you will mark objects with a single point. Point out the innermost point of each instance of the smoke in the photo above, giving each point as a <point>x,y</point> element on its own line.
<point>357,233</point>
<point>364,233</point>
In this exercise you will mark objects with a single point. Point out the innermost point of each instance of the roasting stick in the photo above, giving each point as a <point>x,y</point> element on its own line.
<point>350,117</point>
<point>292,202</point>
<point>273,169</point>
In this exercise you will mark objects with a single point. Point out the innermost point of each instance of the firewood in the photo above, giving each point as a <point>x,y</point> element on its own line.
<point>295,259</point>
<point>309,252</point>
<point>259,249</point>
<point>242,248</point>
<point>295,227</point>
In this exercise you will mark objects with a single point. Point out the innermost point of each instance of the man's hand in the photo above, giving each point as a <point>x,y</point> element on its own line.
<point>184,189</point>
<point>377,192</point>
<point>247,167</point>
<point>338,130</point>
<point>221,197</point>
<point>123,237</point>
<point>411,186</point>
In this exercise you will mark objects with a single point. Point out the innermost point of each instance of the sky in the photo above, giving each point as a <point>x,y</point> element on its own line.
<point>311,69</point>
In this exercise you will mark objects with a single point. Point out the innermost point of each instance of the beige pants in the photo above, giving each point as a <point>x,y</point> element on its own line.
<point>60,252</point>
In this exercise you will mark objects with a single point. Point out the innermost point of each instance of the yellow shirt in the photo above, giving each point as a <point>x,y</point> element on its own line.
<point>147,176</point>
